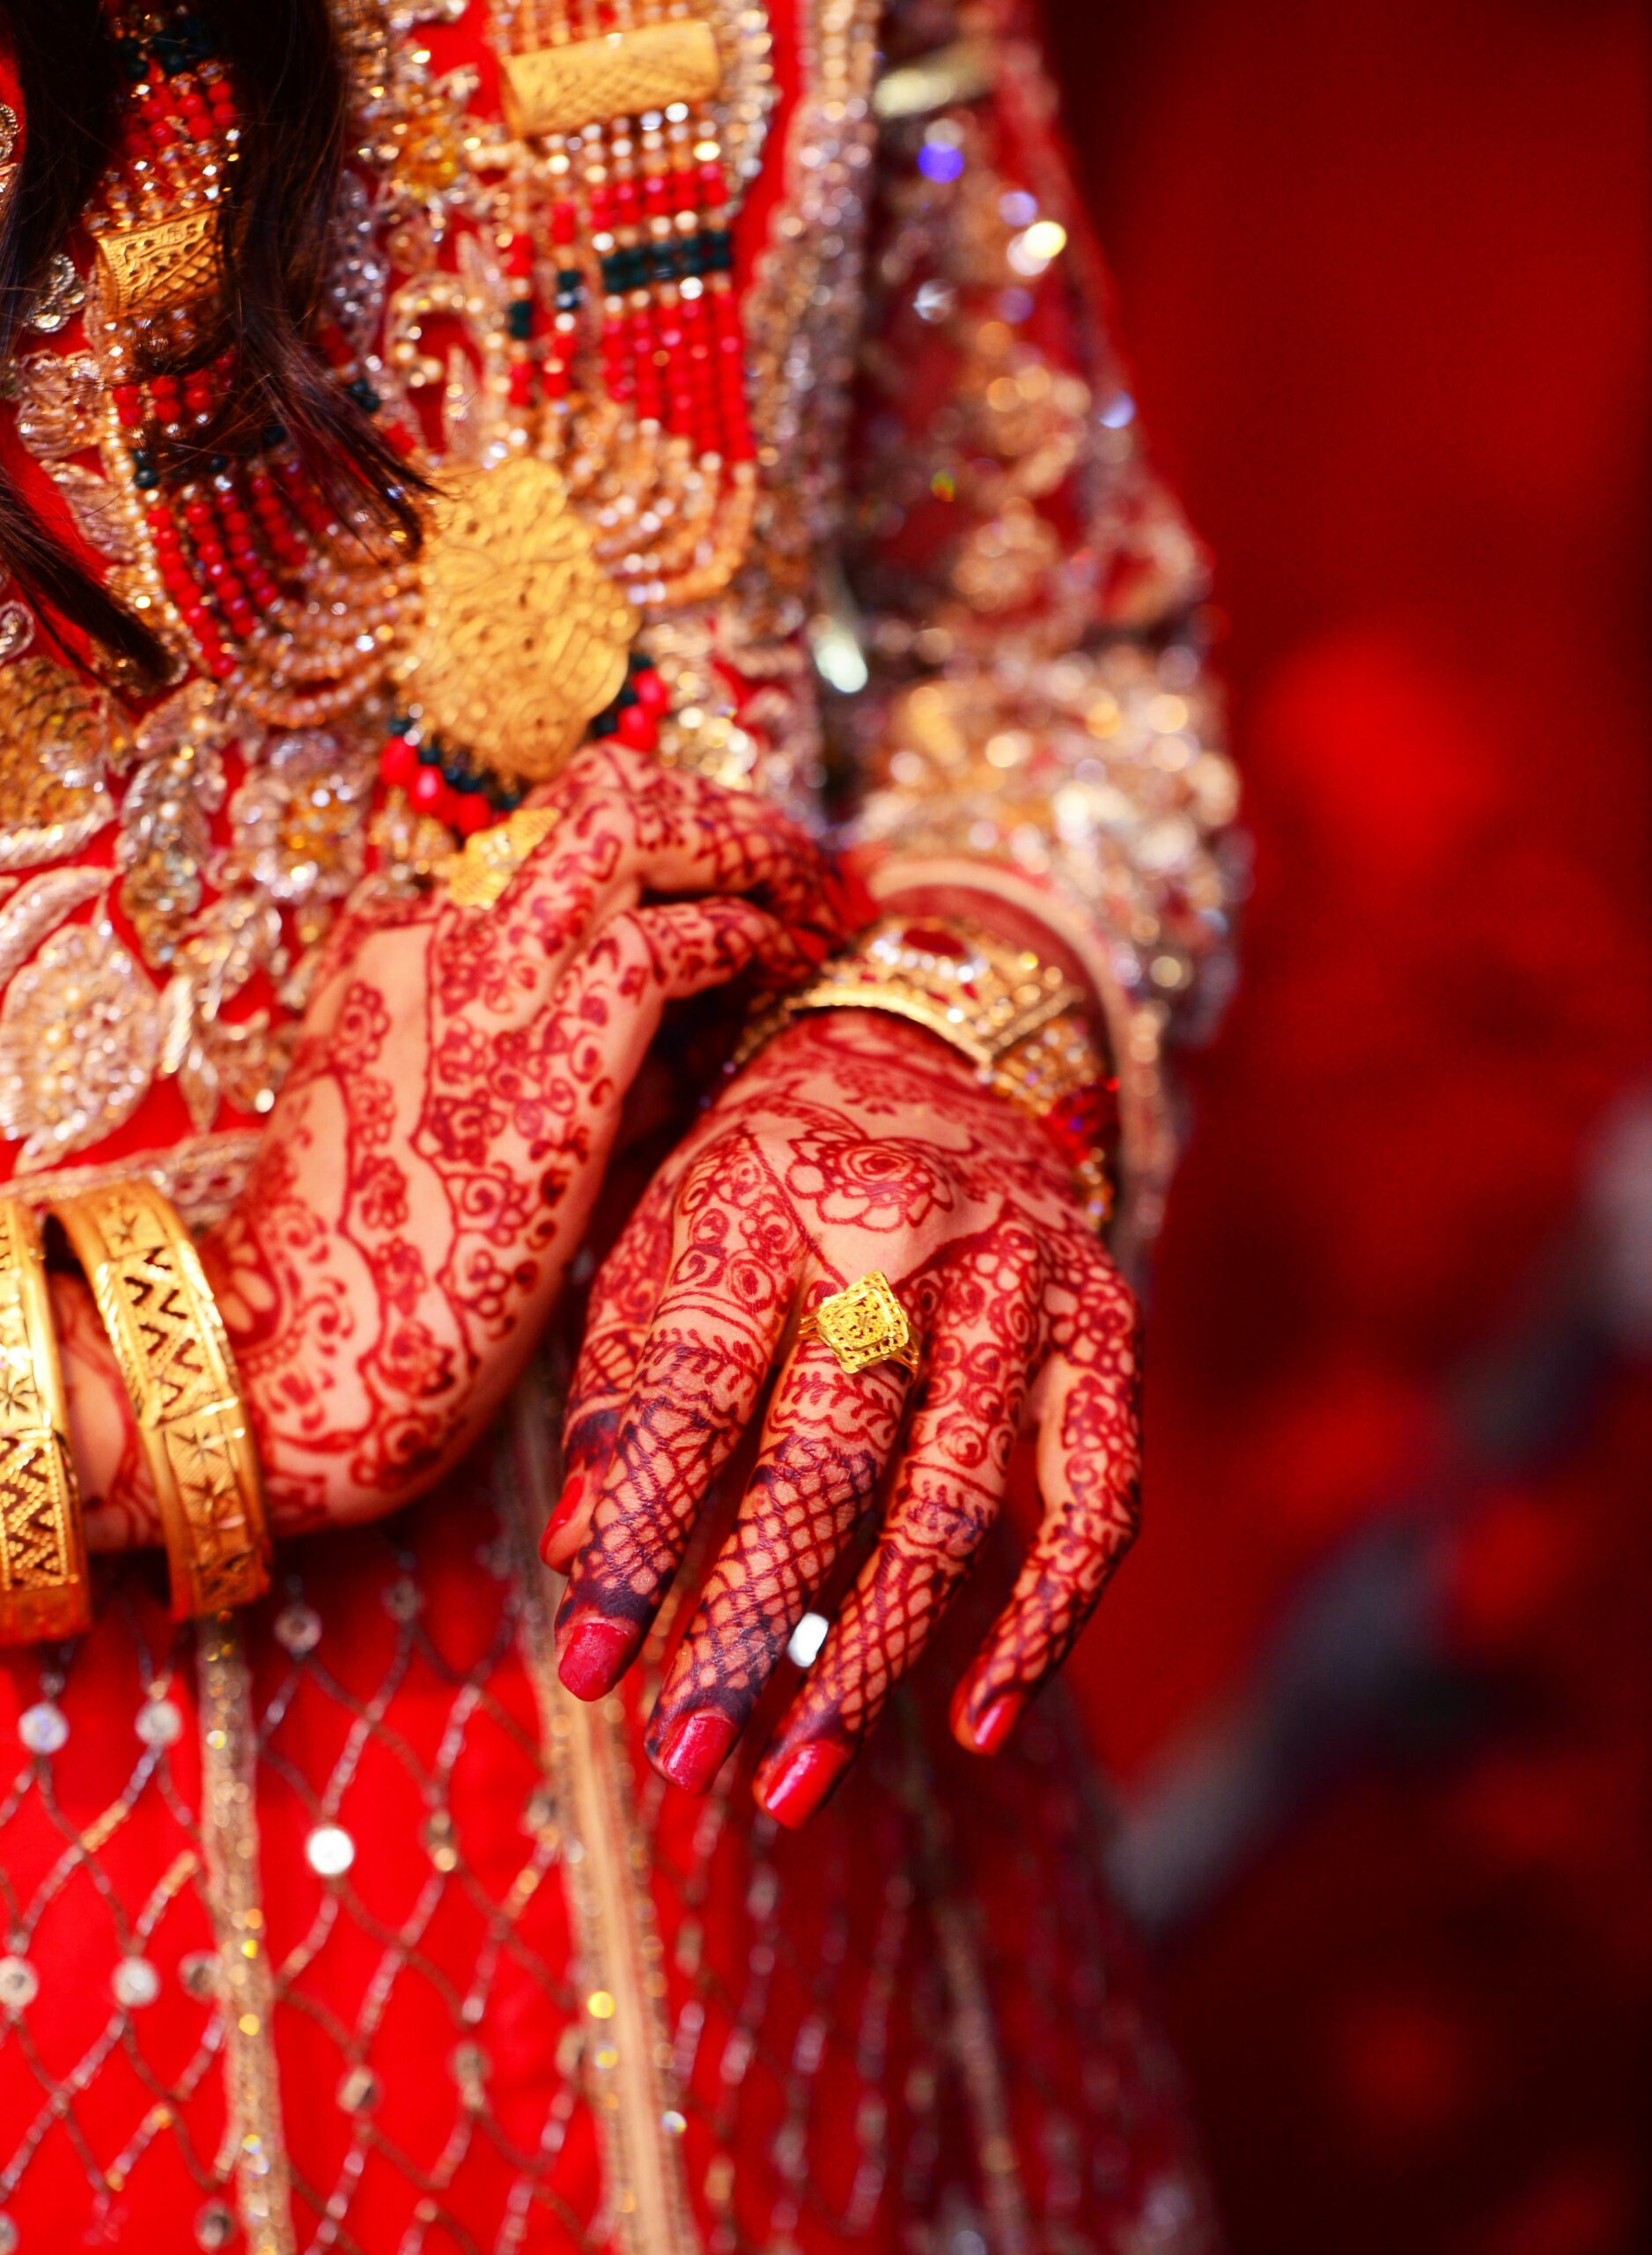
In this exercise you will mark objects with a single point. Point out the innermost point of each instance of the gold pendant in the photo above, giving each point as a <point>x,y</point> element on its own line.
<point>525,635</point>
<point>151,270</point>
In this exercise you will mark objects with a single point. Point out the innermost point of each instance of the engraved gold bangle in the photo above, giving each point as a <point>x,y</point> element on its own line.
<point>174,1362</point>
<point>1025,1028</point>
<point>44,1588</point>
<point>865,1323</point>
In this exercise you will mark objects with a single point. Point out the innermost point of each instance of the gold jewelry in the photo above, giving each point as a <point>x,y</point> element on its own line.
<point>1025,1028</point>
<point>174,1360</point>
<point>44,1589</point>
<point>477,876</point>
<point>525,635</point>
<point>865,1323</point>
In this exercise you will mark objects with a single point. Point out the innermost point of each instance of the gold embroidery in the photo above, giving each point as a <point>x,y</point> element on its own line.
<point>151,270</point>
<point>525,635</point>
<point>558,89</point>
<point>257,2150</point>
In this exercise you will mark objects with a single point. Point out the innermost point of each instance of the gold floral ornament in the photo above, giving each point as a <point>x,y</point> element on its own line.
<point>58,738</point>
<point>525,636</point>
<point>864,1324</point>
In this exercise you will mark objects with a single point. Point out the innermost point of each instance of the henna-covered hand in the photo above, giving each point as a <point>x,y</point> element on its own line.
<point>853,1143</point>
<point>431,1162</point>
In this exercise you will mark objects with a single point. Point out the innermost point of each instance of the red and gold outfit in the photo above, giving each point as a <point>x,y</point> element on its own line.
<point>337,1922</point>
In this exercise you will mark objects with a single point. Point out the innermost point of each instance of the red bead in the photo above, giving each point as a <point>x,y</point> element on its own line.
<point>652,694</point>
<point>428,790</point>
<point>399,762</point>
<point>471,813</point>
<point>639,727</point>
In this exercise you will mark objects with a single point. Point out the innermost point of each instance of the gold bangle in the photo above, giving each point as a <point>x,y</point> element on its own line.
<point>1027,1030</point>
<point>44,1587</point>
<point>174,1361</point>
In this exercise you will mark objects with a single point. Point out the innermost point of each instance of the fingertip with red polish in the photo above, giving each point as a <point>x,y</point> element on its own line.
<point>695,1748</point>
<point>560,1520</point>
<point>593,1652</point>
<point>985,1732</point>
<point>802,1782</point>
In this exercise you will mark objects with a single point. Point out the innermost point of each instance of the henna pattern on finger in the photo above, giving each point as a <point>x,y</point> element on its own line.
<point>1093,1503</point>
<point>878,1148</point>
<point>966,1411</point>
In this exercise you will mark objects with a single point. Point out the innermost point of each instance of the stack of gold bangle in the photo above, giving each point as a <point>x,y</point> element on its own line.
<point>173,1358</point>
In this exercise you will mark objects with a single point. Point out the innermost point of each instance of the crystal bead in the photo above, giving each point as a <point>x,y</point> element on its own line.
<point>329,1850</point>
<point>135,1982</point>
<point>20,1983</point>
<point>198,1972</point>
<point>43,1727</point>
<point>214,2225</point>
<point>298,1629</point>
<point>8,2234</point>
<point>158,1723</point>
<point>359,2090</point>
<point>403,1598</point>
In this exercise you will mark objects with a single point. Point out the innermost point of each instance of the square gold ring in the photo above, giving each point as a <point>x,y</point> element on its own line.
<point>864,1324</point>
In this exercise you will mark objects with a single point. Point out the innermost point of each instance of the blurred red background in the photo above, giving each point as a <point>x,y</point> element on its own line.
<point>1376,1684</point>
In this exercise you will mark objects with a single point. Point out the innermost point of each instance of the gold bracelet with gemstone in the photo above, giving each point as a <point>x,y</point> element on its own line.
<point>44,1589</point>
<point>174,1361</point>
<point>1027,1029</point>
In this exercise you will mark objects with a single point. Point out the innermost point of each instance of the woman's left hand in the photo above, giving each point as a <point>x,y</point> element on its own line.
<point>855,1142</point>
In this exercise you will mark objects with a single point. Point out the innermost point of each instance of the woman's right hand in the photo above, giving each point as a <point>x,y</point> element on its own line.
<point>430,1163</point>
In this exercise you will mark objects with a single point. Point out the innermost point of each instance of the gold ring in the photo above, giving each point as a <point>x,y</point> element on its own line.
<point>865,1323</point>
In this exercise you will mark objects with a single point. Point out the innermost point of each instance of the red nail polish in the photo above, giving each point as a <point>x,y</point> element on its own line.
<point>593,1654</point>
<point>803,1785</point>
<point>991,1727</point>
<point>695,1748</point>
<point>567,1505</point>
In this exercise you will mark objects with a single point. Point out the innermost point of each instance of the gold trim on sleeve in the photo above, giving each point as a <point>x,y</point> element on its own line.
<point>44,1590</point>
<point>174,1360</point>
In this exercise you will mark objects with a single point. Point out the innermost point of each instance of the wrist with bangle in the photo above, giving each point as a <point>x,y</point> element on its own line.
<point>174,1357</point>
<point>1022,1023</point>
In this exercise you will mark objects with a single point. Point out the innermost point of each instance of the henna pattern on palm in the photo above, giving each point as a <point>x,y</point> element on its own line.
<point>853,1143</point>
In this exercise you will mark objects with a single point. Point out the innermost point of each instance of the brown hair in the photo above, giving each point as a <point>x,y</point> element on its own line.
<point>291,88</point>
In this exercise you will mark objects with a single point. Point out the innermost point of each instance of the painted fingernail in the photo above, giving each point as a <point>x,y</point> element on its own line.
<point>794,1796</point>
<point>567,1505</point>
<point>592,1654</point>
<point>995,1723</point>
<point>696,1747</point>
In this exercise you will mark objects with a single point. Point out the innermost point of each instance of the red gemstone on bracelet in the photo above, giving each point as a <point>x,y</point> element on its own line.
<point>1085,1121</point>
<point>929,939</point>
